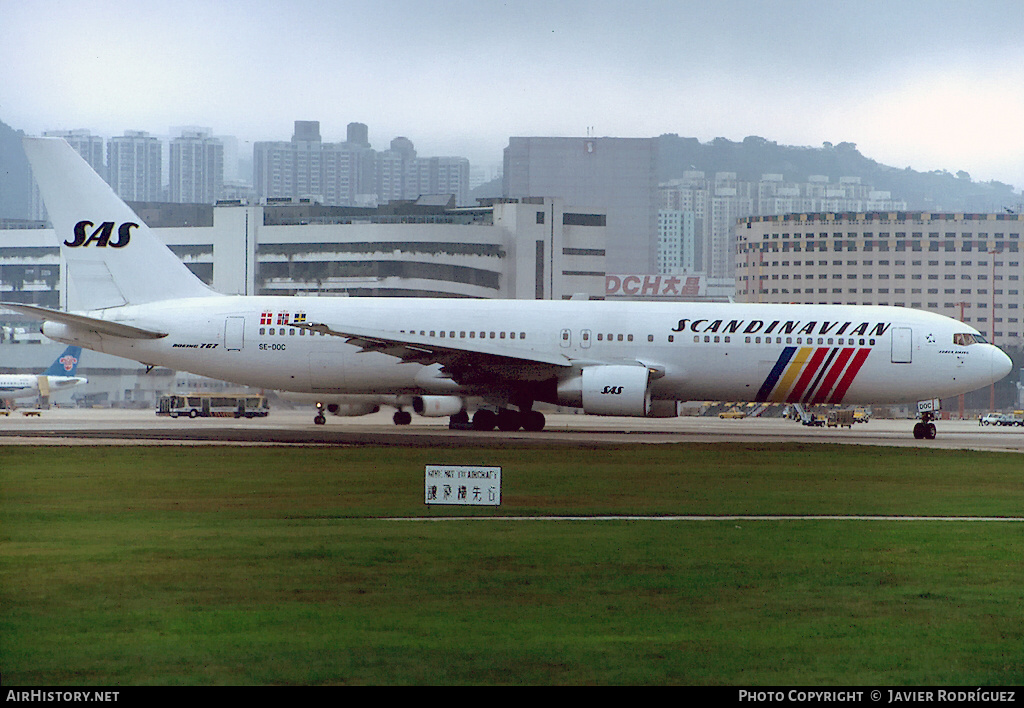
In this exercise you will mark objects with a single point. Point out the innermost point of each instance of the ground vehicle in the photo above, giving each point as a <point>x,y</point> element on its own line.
<point>992,419</point>
<point>1015,418</point>
<point>213,405</point>
<point>840,419</point>
<point>732,414</point>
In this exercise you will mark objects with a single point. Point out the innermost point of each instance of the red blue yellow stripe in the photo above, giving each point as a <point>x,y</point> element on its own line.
<point>813,374</point>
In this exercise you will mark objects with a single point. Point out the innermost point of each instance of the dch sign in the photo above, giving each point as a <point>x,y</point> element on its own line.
<point>462,485</point>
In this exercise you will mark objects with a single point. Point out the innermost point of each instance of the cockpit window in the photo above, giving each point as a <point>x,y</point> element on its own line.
<point>966,338</point>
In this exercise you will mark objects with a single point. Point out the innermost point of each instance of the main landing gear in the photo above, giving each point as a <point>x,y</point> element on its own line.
<point>925,430</point>
<point>505,419</point>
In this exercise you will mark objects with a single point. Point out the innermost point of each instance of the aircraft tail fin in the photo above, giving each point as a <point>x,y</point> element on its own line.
<point>112,257</point>
<point>66,364</point>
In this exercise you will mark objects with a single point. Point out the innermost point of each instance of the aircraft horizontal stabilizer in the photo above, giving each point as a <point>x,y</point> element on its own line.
<point>81,322</point>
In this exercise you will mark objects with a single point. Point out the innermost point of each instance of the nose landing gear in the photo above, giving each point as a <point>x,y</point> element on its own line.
<point>925,430</point>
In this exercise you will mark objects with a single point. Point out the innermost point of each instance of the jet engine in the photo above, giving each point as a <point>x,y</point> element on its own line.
<point>352,409</point>
<point>610,389</point>
<point>436,406</point>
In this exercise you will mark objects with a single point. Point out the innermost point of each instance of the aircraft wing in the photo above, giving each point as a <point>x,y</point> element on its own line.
<point>466,362</point>
<point>89,324</point>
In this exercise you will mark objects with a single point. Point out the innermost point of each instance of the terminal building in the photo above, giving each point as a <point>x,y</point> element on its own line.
<point>529,248</point>
<point>964,266</point>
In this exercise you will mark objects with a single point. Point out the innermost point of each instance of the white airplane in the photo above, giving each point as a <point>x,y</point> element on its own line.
<point>59,377</point>
<point>608,358</point>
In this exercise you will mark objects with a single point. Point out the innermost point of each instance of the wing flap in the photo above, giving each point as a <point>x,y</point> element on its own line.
<point>465,362</point>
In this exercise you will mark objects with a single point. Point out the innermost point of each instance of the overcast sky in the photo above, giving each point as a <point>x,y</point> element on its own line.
<point>927,84</point>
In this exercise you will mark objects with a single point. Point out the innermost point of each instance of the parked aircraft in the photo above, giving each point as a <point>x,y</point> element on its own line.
<point>607,358</point>
<point>59,377</point>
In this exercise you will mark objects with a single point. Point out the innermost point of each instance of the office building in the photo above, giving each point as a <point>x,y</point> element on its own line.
<point>615,175</point>
<point>964,266</point>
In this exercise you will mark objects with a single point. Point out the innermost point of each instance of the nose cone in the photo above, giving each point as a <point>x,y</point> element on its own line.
<point>1001,364</point>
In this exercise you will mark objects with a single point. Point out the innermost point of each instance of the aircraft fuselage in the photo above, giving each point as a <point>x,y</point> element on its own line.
<point>795,353</point>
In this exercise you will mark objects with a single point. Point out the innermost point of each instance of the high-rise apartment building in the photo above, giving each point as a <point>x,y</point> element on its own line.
<point>196,168</point>
<point>676,241</point>
<point>717,202</point>
<point>352,173</point>
<point>135,166</point>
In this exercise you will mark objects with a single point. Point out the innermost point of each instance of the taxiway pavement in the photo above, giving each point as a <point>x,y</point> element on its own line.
<point>295,427</point>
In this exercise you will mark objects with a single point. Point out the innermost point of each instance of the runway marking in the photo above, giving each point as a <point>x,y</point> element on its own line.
<point>1016,519</point>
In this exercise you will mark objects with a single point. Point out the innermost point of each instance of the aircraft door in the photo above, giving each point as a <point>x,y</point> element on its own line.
<point>234,333</point>
<point>585,338</point>
<point>902,345</point>
<point>565,338</point>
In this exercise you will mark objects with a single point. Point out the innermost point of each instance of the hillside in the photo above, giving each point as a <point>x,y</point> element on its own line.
<point>754,156</point>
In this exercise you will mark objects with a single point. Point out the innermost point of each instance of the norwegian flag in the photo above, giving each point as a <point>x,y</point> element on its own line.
<point>282,318</point>
<point>267,318</point>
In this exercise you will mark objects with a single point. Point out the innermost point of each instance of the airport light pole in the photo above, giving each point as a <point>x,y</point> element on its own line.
<point>960,398</point>
<point>992,320</point>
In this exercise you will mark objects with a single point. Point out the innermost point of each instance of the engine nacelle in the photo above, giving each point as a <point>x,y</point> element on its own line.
<point>608,390</point>
<point>436,406</point>
<point>351,410</point>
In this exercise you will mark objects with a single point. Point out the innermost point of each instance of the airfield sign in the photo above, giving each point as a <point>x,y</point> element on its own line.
<point>466,485</point>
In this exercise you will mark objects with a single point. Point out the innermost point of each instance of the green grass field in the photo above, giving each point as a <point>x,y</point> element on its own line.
<point>227,565</point>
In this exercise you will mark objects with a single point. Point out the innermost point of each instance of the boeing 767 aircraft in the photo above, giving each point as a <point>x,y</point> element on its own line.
<point>608,358</point>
